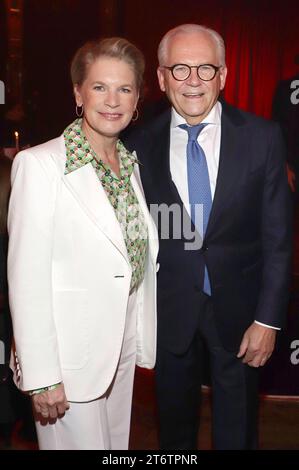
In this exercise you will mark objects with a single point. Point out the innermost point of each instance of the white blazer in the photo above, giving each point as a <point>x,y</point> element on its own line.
<point>69,276</point>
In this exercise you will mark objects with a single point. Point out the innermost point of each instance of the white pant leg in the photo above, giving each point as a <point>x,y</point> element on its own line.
<point>104,423</point>
<point>119,400</point>
<point>84,426</point>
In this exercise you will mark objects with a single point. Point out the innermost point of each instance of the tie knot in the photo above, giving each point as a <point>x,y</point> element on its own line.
<point>193,131</point>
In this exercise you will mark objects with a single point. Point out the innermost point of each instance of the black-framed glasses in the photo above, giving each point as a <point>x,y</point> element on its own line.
<point>205,72</point>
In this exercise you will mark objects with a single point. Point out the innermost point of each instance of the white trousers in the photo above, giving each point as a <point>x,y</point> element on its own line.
<point>104,423</point>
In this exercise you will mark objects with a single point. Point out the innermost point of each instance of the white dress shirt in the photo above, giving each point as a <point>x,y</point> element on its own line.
<point>209,139</point>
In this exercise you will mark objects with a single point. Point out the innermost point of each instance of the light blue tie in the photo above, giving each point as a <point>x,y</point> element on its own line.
<point>198,185</point>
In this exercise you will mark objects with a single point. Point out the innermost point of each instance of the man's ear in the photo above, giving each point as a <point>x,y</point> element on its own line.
<point>77,95</point>
<point>223,74</point>
<point>161,78</point>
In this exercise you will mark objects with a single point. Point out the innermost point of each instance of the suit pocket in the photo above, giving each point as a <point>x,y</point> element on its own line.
<point>71,319</point>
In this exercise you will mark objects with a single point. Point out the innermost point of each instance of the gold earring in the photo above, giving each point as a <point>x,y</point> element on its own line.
<point>136,116</point>
<point>79,113</point>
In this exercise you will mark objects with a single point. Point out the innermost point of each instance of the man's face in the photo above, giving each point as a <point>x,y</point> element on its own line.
<point>192,98</point>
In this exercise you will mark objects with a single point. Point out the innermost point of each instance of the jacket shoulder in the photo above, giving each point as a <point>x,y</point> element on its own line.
<point>245,118</point>
<point>147,132</point>
<point>47,155</point>
<point>51,146</point>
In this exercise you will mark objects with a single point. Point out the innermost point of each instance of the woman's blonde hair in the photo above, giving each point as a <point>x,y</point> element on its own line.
<point>116,48</point>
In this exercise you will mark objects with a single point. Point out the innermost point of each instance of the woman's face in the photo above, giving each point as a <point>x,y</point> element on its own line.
<point>109,96</point>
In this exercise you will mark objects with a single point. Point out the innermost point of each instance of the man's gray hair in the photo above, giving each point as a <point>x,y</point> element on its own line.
<point>189,29</point>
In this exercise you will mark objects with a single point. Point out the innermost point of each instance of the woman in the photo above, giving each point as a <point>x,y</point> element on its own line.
<point>82,261</point>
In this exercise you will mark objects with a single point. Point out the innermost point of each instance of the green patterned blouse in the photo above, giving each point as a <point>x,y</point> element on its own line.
<point>119,192</point>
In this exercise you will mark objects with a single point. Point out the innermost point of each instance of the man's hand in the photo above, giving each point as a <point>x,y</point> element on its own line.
<point>257,345</point>
<point>52,403</point>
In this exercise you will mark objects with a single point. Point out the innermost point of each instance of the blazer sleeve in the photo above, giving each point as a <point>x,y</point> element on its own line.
<point>276,233</point>
<point>30,226</point>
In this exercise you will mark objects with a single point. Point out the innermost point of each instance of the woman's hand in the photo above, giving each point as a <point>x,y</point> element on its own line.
<point>51,404</point>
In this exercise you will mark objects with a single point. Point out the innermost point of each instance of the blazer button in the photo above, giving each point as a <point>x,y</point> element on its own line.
<point>204,247</point>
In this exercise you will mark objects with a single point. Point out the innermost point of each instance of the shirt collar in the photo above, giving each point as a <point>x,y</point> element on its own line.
<point>214,116</point>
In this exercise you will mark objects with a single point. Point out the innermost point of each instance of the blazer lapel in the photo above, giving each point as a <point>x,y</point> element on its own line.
<point>89,193</point>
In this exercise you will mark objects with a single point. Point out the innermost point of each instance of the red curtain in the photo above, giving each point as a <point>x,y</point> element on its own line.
<point>262,38</point>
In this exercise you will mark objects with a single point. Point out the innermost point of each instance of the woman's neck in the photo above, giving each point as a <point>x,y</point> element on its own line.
<point>103,146</point>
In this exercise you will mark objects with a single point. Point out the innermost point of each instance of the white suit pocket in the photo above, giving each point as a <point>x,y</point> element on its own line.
<point>70,311</point>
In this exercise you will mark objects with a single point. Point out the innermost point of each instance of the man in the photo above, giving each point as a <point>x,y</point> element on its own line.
<point>231,293</point>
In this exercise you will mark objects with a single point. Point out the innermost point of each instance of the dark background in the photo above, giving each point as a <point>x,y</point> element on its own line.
<point>262,38</point>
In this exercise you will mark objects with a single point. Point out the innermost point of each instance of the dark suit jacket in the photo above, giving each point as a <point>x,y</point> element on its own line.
<point>248,244</point>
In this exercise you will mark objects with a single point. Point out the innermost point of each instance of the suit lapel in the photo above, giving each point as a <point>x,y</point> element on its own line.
<point>161,165</point>
<point>152,231</point>
<point>89,193</point>
<point>231,167</point>
<point>231,170</point>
